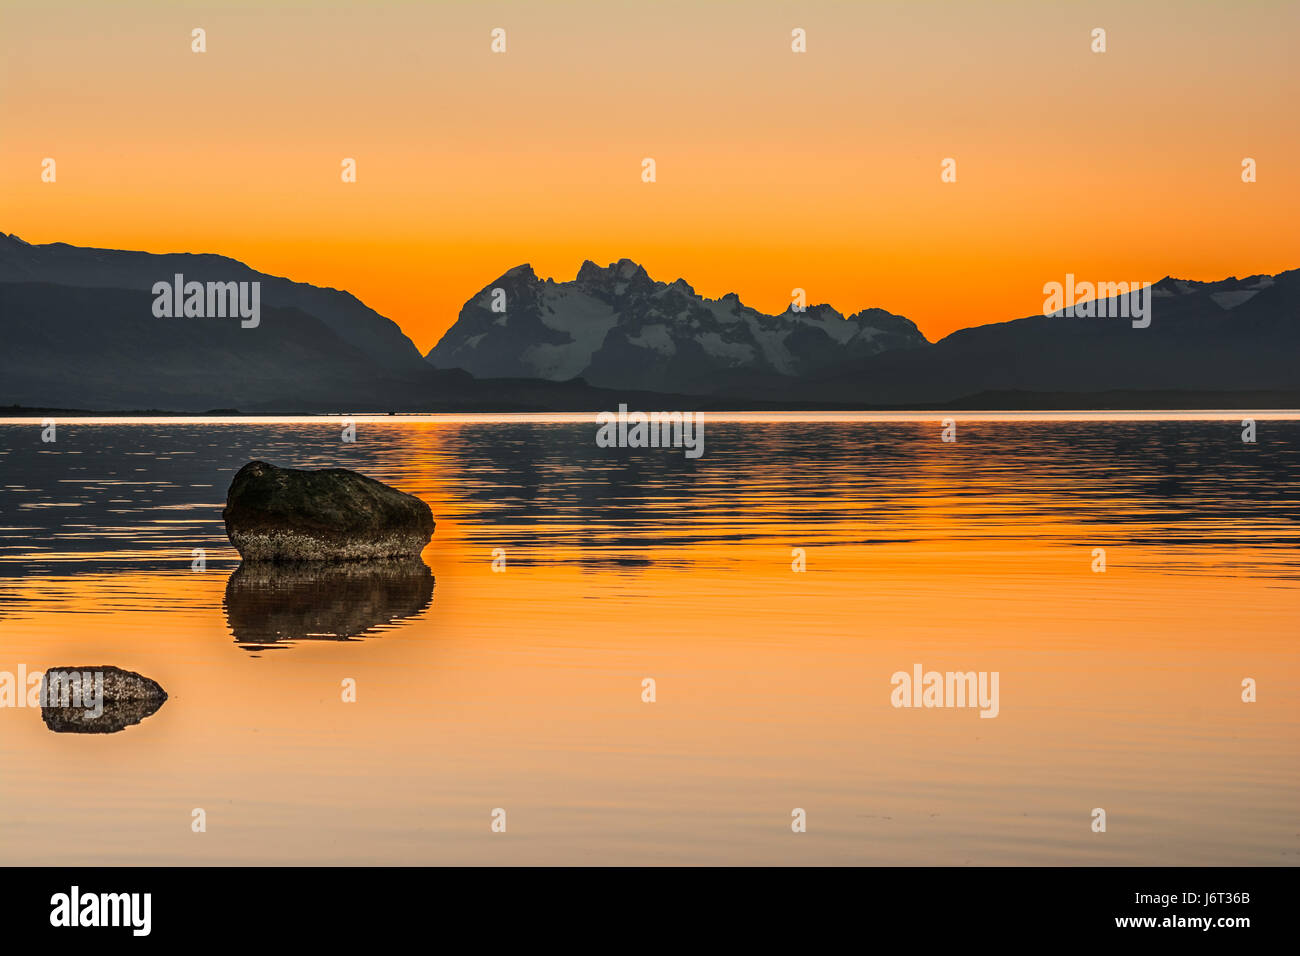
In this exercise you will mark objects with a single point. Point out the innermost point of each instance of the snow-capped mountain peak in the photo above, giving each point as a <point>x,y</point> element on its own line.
<point>616,326</point>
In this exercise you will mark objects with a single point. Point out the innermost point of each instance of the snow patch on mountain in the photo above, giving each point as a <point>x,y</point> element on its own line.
<point>731,354</point>
<point>655,337</point>
<point>583,319</point>
<point>1230,300</point>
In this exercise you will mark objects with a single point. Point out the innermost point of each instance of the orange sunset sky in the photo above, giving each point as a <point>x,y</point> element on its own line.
<point>776,170</point>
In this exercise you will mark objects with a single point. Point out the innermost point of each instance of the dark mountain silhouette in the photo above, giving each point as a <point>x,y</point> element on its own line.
<point>350,320</point>
<point>78,332</point>
<point>1207,337</point>
<point>103,348</point>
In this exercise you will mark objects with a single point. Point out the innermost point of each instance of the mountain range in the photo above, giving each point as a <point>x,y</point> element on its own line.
<point>78,331</point>
<point>617,327</point>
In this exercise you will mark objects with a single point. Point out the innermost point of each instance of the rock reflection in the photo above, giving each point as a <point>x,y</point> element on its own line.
<point>268,605</point>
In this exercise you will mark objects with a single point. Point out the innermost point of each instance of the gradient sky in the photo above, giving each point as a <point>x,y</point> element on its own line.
<point>775,170</point>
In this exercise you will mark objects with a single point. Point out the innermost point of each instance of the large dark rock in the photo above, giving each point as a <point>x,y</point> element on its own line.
<point>97,700</point>
<point>287,515</point>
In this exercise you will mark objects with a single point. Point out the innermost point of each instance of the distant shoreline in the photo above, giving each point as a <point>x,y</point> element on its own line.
<point>1130,402</point>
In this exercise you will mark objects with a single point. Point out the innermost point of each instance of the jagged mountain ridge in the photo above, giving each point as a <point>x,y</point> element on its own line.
<point>617,327</point>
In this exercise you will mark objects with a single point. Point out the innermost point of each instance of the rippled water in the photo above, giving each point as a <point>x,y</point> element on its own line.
<point>521,688</point>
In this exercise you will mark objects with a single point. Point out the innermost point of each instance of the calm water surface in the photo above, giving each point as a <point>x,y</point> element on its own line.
<point>522,689</point>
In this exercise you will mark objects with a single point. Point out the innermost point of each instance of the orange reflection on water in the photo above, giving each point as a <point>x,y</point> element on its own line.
<point>523,689</point>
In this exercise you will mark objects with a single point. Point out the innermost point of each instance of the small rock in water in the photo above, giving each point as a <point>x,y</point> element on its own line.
<point>287,515</point>
<point>97,700</point>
